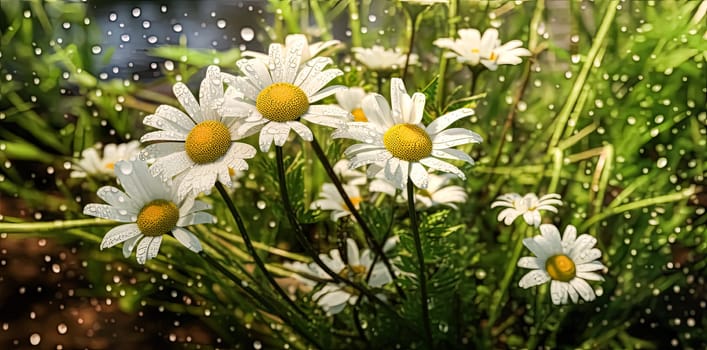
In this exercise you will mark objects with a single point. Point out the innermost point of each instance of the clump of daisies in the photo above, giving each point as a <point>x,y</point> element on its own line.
<point>567,262</point>
<point>149,209</point>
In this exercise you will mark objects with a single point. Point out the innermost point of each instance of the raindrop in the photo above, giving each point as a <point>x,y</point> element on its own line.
<point>35,338</point>
<point>62,328</point>
<point>260,204</point>
<point>163,8</point>
<point>125,37</point>
<point>257,345</point>
<point>146,24</point>
<point>662,162</point>
<point>221,23</point>
<point>113,17</point>
<point>177,28</point>
<point>136,12</point>
<point>151,39</point>
<point>96,49</point>
<point>247,33</point>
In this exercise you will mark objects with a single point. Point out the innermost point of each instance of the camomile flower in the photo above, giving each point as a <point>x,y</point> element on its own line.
<point>197,146</point>
<point>400,144</point>
<point>309,51</point>
<point>149,209</point>
<point>334,297</point>
<point>350,100</point>
<point>529,206</point>
<point>274,96</point>
<point>91,162</point>
<point>566,262</point>
<point>436,193</point>
<point>473,49</point>
<point>380,59</point>
<point>330,199</point>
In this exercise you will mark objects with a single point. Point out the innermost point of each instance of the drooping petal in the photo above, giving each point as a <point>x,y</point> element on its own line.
<point>119,234</point>
<point>187,239</point>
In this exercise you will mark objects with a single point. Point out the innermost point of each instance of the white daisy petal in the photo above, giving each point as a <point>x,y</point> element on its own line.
<point>558,292</point>
<point>119,234</point>
<point>187,239</point>
<point>533,278</point>
<point>529,263</point>
<point>188,101</point>
<point>446,120</point>
<point>583,288</point>
<point>108,212</point>
<point>130,244</point>
<point>455,137</point>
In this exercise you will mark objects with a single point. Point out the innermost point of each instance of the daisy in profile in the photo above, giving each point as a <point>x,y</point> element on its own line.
<point>350,100</point>
<point>330,199</point>
<point>567,263</point>
<point>274,96</point>
<point>402,146</point>
<point>92,163</point>
<point>333,297</point>
<point>149,208</point>
<point>473,49</point>
<point>380,59</point>
<point>309,51</point>
<point>198,146</point>
<point>438,192</point>
<point>529,206</point>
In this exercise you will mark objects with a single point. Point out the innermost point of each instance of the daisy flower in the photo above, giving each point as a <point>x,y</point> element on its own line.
<point>402,146</point>
<point>473,49</point>
<point>197,146</point>
<point>436,193</point>
<point>309,51</point>
<point>330,199</point>
<point>566,262</point>
<point>380,59</point>
<point>529,206</point>
<point>91,162</point>
<point>333,297</point>
<point>149,209</point>
<point>350,100</point>
<point>274,96</point>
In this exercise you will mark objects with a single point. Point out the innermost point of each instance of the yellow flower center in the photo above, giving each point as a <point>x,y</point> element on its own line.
<point>110,166</point>
<point>354,200</point>
<point>407,142</point>
<point>493,56</point>
<point>207,142</point>
<point>359,116</point>
<point>353,272</point>
<point>475,50</point>
<point>157,217</point>
<point>282,102</point>
<point>560,267</point>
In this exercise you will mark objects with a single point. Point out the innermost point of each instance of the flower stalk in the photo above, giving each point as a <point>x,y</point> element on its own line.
<point>422,277</point>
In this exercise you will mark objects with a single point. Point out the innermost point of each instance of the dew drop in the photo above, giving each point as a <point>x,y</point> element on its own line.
<point>136,12</point>
<point>247,33</point>
<point>221,23</point>
<point>146,24</point>
<point>125,37</point>
<point>96,49</point>
<point>113,17</point>
<point>62,328</point>
<point>35,339</point>
<point>177,28</point>
<point>662,162</point>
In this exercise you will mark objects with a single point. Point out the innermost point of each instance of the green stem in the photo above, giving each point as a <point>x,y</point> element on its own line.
<point>505,282</point>
<point>674,197</point>
<point>251,249</point>
<point>564,114</point>
<point>421,260</point>
<point>267,304</point>
<point>370,238</point>
<point>413,19</point>
<point>35,227</point>
<point>443,61</point>
<point>355,24</point>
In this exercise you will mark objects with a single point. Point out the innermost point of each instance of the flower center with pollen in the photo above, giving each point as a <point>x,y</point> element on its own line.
<point>207,142</point>
<point>282,102</point>
<point>157,217</point>
<point>407,142</point>
<point>560,268</point>
<point>359,116</point>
